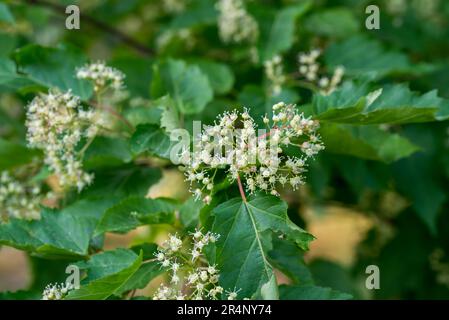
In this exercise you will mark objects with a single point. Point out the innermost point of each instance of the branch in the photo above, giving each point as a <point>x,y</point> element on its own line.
<point>131,42</point>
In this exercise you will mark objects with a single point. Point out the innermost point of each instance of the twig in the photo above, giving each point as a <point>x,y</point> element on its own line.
<point>60,9</point>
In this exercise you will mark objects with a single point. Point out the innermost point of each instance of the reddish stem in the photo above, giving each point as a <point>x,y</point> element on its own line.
<point>242,193</point>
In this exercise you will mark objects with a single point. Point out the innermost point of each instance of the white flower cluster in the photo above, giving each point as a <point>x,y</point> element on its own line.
<point>17,199</point>
<point>56,291</point>
<point>198,280</point>
<point>258,159</point>
<point>235,24</point>
<point>56,123</point>
<point>102,76</point>
<point>309,68</point>
<point>274,72</point>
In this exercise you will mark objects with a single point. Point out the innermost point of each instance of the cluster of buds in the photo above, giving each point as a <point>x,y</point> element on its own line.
<point>56,291</point>
<point>235,24</point>
<point>191,278</point>
<point>56,123</point>
<point>274,72</point>
<point>17,199</point>
<point>102,76</point>
<point>259,159</point>
<point>309,68</point>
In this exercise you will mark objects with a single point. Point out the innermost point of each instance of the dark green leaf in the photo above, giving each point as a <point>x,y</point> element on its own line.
<point>152,139</point>
<point>310,292</point>
<point>122,182</point>
<point>13,155</point>
<point>53,67</point>
<point>245,229</point>
<point>107,152</point>
<point>107,273</point>
<point>64,233</point>
<point>136,211</point>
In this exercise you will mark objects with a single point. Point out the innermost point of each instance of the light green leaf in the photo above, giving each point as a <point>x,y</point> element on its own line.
<point>169,119</point>
<point>136,211</point>
<point>220,75</point>
<point>5,14</point>
<point>367,142</point>
<point>394,104</point>
<point>246,229</point>
<point>107,273</point>
<point>187,85</point>
<point>311,292</point>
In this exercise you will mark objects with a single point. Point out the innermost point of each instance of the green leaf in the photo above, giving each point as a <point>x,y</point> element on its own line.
<point>136,211</point>
<point>138,74</point>
<point>245,229</point>
<point>335,22</point>
<point>220,75</point>
<point>107,273</point>
<point>9,79</point>
<point>143,115</point>
<point>107,152</point>
<point>148,250</point>
<point>53,67</point>
<point>21,295</point>
<point>279,36</point>
<point>169,118</point>
<point>428,196</point>
<point>367,142</point>
<point>5,14</point>
<point>311,292</point>
<point>187,85</point>
<point>13,155</point>
<point>152,139</point>
<point>361,55</point>
<point>122,182</point>
<point>288,258</point>
<point>140,279</point>
<point>64,234</point>
<point>394,104</point>
<point>198,13</point>
<point>189,213</point>
<point>9,42</point>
